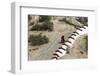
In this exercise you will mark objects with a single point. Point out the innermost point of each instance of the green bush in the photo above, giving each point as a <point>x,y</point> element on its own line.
<point>45,26</point>
<point>29,17</point>
<point>37,39</point>
<point>36,27</point>
<point>82,20</point>
<point>32,23</point>
<point>44,18</point>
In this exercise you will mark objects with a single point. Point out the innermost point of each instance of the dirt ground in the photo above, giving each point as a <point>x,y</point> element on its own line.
<point>45,51</point>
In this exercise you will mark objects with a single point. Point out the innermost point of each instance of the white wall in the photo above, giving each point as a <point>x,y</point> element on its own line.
<point>5,33</point>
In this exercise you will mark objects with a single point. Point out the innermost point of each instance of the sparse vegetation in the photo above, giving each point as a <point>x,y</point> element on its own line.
<point>86,43</point>
<point>37,39</point>
<point>68,22</point>
<point>82,20</point>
